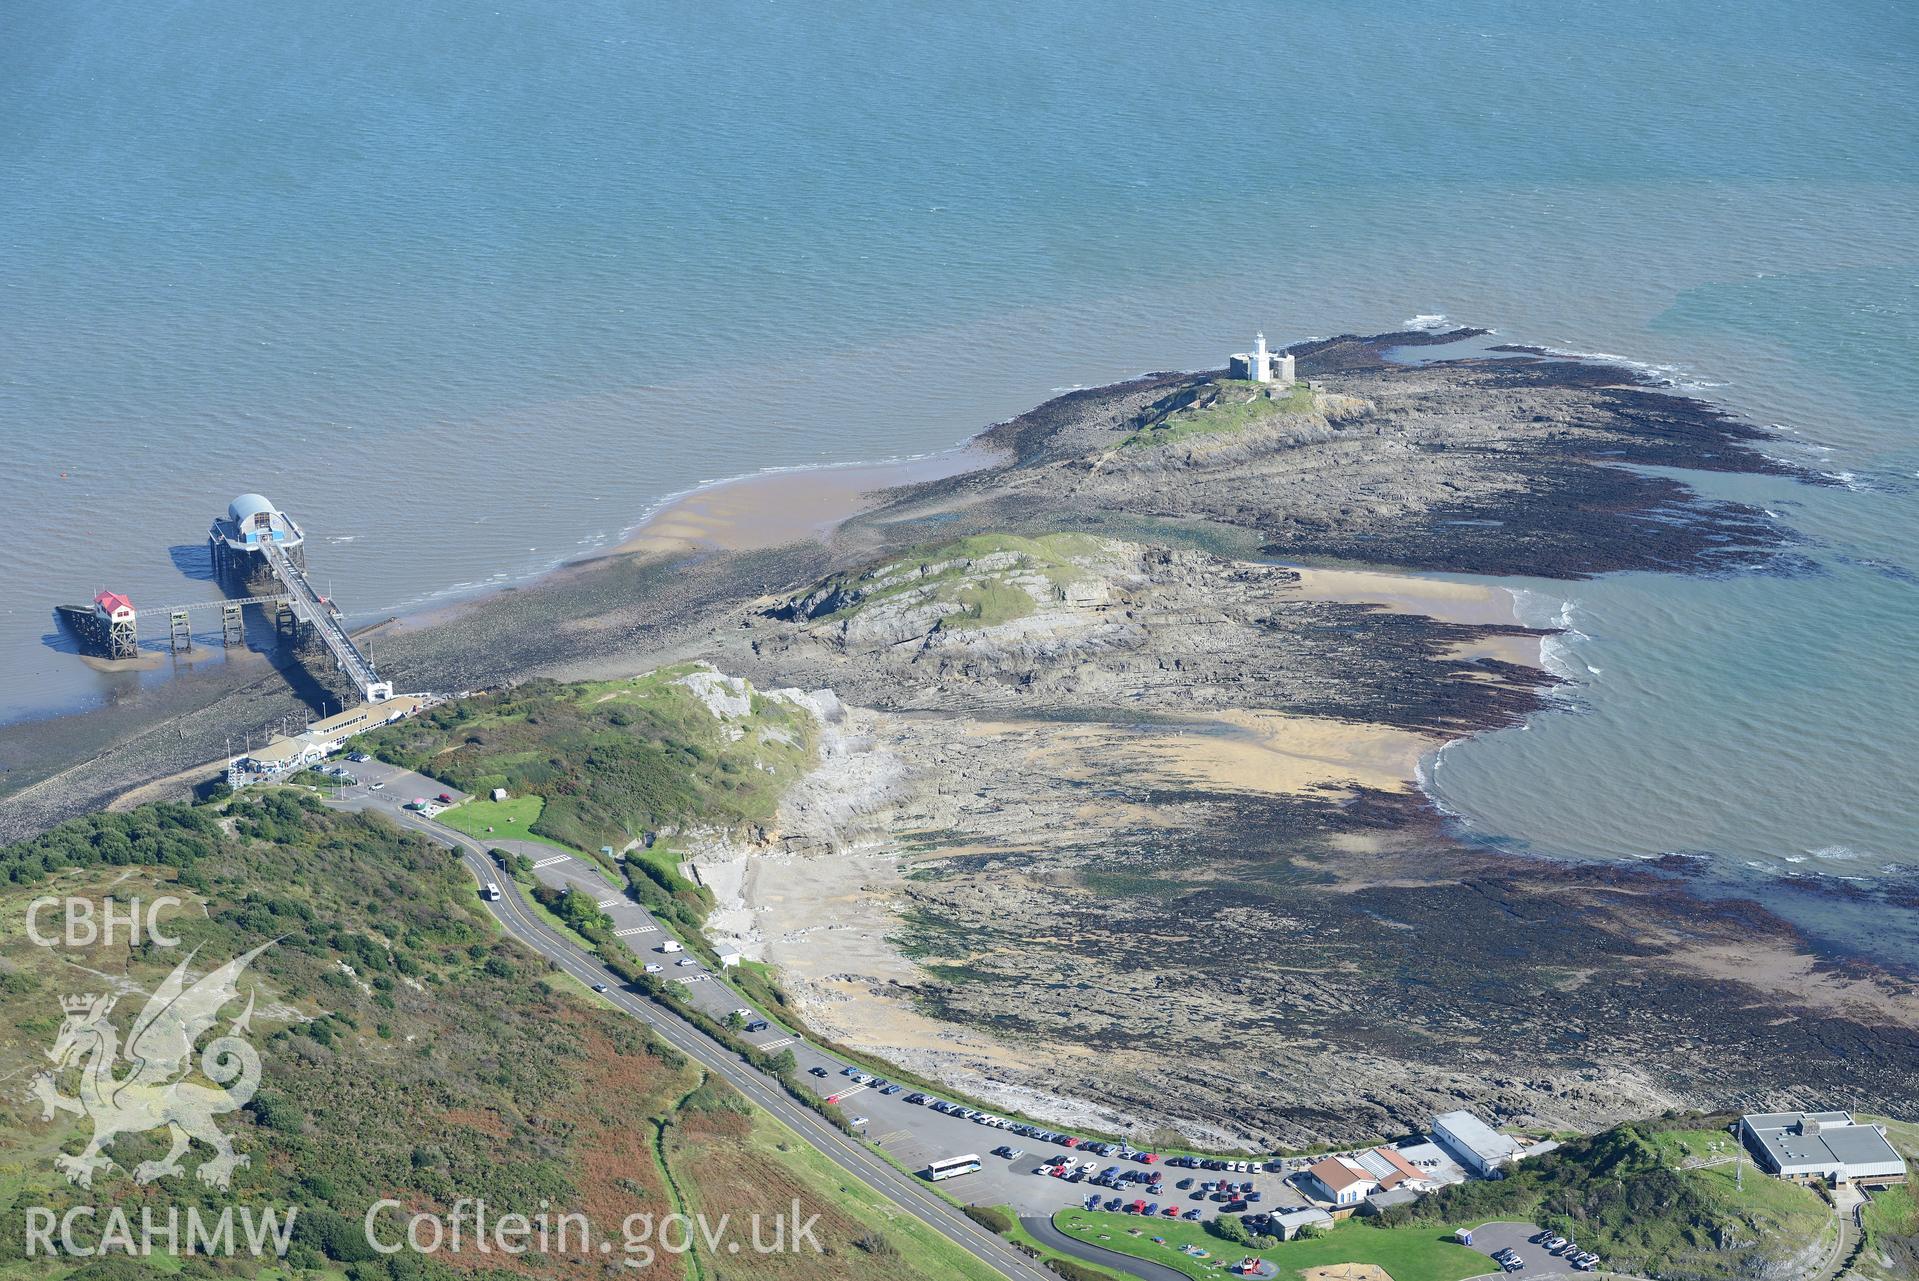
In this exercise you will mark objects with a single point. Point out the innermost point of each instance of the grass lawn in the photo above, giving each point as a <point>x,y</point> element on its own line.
<point>1422,1253</point>
<point>512,817</point>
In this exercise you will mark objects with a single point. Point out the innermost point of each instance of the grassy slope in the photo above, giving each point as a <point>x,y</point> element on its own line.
<point>1239,405</point>
<point>613,761</point>
<point>1892,1219</point>
<point>1420,1253</point>
<point>443,1063</point>
<point>732,1161</point>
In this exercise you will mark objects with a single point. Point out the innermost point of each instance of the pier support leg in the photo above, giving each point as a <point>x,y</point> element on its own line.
<point>180,631</point>
<point>286,626</point>
<point>122,640</point>
<point>232,626</point>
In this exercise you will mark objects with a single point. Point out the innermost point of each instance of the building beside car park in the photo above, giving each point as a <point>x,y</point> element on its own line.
<point>1289,1222</point>
<point>1340,1181</point>
<point>1821,1145</point>
<point>1474,1144</point>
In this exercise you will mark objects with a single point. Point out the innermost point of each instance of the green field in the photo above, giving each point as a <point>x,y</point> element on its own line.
<point>513,817</point>
<point>1419,1253</point>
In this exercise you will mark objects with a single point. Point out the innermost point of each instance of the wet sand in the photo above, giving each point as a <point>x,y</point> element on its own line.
<point>1449,602</point>
<point>772,509</point>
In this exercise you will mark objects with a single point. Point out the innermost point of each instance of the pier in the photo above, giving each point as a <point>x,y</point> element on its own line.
<point>258,550</point>
<point>255,535</point>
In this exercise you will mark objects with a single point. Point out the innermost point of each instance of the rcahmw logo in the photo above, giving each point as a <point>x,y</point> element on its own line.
<point>154,1092</point>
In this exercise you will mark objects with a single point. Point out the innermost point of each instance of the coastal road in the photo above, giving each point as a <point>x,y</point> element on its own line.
<point>850,1155</point>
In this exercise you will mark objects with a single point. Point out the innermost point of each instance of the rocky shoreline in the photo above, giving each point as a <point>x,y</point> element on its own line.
<point>1116,789</point>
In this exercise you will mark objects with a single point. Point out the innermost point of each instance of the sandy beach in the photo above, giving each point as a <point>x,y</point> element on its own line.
<point>775,508</point>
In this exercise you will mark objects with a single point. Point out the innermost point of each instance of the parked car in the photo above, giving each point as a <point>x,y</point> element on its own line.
<point>1192,1215</point>
<point>857,1122</point>
<point>445,798</point>
<point>686,960</point>
<point>817,1071</point>
<point>916,1097</point>
<point>378,786</point>
<point>884,1089</point>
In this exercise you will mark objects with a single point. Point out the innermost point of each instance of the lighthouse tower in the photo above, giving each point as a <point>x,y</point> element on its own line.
<point>1262,365</point>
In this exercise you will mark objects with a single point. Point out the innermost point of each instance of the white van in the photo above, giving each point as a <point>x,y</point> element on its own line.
<point>671,946</point>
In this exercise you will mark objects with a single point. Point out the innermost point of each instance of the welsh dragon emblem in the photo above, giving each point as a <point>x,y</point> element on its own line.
<point>154,1091</point>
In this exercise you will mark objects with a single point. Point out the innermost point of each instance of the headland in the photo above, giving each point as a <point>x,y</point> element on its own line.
<point>1118,762</point>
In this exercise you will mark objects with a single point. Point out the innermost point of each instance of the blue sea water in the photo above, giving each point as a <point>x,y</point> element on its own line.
<point>467,288</point>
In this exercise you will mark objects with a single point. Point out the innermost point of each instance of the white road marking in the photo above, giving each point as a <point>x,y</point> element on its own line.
<point>774,1045</point>
<point>606,902</point>
<point>635,929</point>
<point>557,858</point>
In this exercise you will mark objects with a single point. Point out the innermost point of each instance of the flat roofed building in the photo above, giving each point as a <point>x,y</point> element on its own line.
<point>1473,1143</point>
<point>1291,1221</point>
<point>1821,1145</point>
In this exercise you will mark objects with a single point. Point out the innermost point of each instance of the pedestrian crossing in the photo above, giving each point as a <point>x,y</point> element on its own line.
<point>557,858</point>
<point>774,1045</point>
<point>631,930</point>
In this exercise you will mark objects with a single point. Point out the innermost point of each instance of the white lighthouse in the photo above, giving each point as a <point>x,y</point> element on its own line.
<point>1261,365</point>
